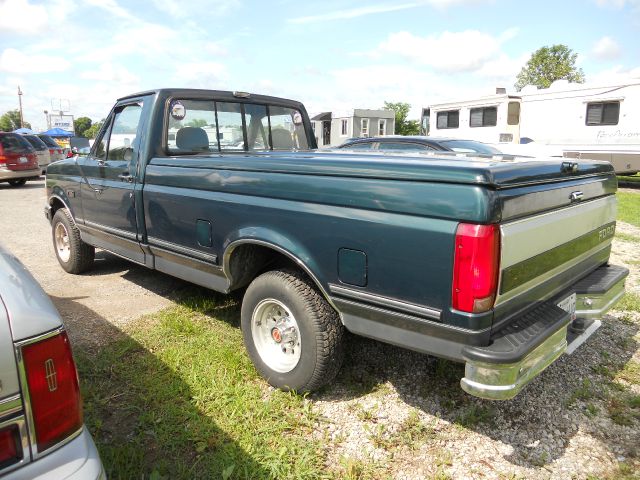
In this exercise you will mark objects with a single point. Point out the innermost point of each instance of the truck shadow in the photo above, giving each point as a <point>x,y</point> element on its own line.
<point>576,393</point>
<point>133,403</point>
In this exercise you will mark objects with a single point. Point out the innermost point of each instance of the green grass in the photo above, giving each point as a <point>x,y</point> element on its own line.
<point>629,178</point>
<point>625,237</point>
<point>629,208</point>
<point>177,397</point>
<point>629,302</point>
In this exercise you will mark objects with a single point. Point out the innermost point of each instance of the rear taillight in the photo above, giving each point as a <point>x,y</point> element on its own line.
<point>54,395</point>
<point>475,267</point>
<point>10,446</point>
<point>52,151</point>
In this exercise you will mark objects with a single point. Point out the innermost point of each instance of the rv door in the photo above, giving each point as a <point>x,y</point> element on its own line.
<point>512,134</point>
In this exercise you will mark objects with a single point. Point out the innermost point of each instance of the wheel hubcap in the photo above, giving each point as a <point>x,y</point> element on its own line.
<point>61,237</point>
<point>276,335</point>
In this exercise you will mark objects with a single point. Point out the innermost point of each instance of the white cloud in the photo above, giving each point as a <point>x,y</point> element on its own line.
<point>385,8</point>
<point>352,13</point>
<point>606,49</point>
<point>181,9</point>
<point>20,17</point>
<point>211,75</point>
<point>619,4</point>
<point>14,61</point>
<point>465,51</point>
<point>111,6</point>
<point>614,75</point>
<point>108,72</point>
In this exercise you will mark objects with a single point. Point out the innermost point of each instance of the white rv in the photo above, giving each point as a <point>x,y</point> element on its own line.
<point>567,119</point>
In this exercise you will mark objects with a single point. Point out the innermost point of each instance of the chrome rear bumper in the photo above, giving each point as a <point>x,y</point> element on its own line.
<point>530,344</point>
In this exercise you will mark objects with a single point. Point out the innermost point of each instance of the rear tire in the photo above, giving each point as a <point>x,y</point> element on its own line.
<point>17,183</point>
<point>72,253</point>
<point>293,336</point>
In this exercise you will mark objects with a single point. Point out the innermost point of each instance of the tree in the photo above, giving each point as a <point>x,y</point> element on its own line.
<point>548,64</point>
<point>81,125</point>
<point>93,130</point>
<point>10,121</point>
<point>403,126</point>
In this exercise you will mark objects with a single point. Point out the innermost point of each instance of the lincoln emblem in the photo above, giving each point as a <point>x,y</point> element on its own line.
<point>51,375</point>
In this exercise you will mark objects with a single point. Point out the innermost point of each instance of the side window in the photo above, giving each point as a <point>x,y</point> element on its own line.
<point>483,117</point>
<point>122,138</point>
<point>603,113</point>
<point>382,127</point>
<point>359,146</point>
<point>287,129</point>
<point>343,127</point>
<point>99,149</point>
<point>364,127</point>
<point>192,127</point>
<point>448,119</point>
<point>402,146</point>
<point>230,130</point>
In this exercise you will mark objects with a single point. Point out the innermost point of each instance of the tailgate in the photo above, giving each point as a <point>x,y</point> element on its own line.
<point>544,253</point>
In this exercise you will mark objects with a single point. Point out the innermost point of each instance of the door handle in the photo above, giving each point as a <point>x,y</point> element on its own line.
<point>126,177</point>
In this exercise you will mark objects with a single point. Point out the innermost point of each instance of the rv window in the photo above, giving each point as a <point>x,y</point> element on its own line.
<point>603,113</point>
<point>483,117</point>
<point>513,113</point>
<point>448,119</point>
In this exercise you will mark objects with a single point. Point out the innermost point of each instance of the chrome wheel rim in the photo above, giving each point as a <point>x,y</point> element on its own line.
<point>61,238</point>
<point>276,335</point>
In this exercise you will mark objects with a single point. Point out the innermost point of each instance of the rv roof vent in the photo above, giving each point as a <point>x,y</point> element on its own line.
<point>501,90</point>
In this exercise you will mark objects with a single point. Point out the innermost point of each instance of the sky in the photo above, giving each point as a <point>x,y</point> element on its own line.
<point>333,55</point>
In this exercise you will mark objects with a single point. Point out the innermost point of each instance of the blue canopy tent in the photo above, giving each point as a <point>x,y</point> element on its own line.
<point>24,130</point>
<point>58,132</point>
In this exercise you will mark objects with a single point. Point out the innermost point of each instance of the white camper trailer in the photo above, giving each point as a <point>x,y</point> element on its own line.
<point>599,122</point>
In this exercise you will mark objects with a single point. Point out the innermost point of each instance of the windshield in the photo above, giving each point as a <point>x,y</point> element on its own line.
<point>470,146</point>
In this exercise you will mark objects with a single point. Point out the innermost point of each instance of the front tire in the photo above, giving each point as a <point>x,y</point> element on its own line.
<point>72,253</point>
<point>17,183</point>
<point>293,336</point>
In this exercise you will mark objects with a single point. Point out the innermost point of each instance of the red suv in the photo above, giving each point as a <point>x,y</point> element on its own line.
<point>18,160</point>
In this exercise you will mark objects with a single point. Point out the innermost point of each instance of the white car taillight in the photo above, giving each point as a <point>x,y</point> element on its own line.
<point>53,391</point>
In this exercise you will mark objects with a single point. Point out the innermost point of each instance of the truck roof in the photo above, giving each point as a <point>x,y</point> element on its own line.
<point>221,94</point>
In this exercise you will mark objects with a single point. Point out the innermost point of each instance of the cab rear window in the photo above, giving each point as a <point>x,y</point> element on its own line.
<point>207,126</point>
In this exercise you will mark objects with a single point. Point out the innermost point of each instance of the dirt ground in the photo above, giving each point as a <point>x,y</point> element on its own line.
<point>126,291</point>
<point>561,426</point>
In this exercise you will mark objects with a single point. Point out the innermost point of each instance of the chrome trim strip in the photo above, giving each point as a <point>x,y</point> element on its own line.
<point>422,320</point>
<point>10,405</point>
<point>112,230</point>
<point>24,441</point>
<point>386,302</point>
<point>169,246</point>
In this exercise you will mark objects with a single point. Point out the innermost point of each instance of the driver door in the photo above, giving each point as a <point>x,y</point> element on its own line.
<point>109,179</point>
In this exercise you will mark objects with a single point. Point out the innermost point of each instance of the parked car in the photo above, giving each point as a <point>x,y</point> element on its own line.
<point>42,151</point>
<point>417,143</point>
<point>42,433</point>
<point>18,160</point>
<point>56,151</point>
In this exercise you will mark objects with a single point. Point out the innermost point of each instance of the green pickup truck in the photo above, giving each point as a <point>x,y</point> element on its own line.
<point>497,262</point>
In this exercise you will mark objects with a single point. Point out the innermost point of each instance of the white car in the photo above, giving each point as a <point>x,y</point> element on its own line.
<point>42,433</point>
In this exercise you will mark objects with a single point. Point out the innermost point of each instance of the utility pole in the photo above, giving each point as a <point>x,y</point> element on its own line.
<point>20,101</point>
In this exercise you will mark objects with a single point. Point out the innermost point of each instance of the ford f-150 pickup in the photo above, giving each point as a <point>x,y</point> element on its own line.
<point>494,261</point>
